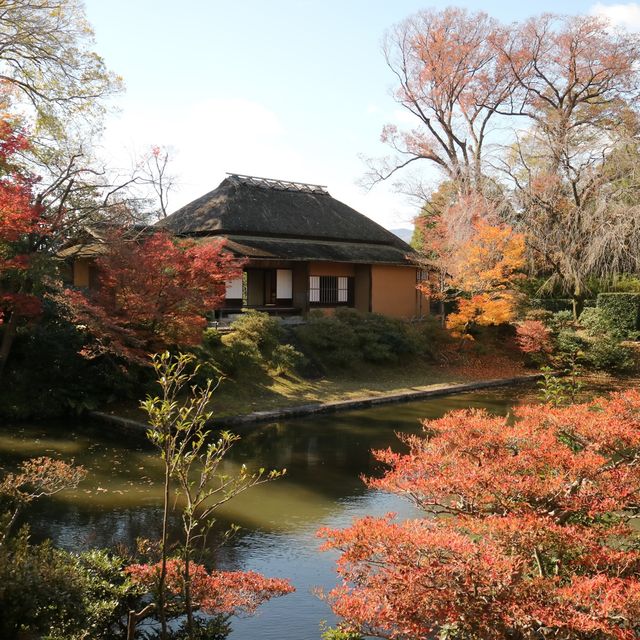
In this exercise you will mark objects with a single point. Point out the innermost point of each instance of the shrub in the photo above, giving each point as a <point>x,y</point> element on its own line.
<point>623,310</point>
<point>569,348</point>
<point>552,304</point>
<point>46,356</point>
<point>380,339</point>
<point>539,314</point>
<point>237,354</point>
<point>561,320</point>
<point>256,341</point>
<point>608,354</point>
<point>597,322</point>
<point>285,359</point>
<point>350,336</point>
<point>428,337</point>
<point>533,337</point>
<point>328,340</point>
<point>259,329</point>
<point>50,592</point>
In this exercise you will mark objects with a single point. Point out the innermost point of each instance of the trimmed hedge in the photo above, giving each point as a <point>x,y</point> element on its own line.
<point>623,311</point>
<point>552,304</point>
<point>557,304</point>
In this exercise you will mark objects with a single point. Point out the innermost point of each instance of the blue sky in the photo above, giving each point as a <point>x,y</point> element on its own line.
<point>290,89</point>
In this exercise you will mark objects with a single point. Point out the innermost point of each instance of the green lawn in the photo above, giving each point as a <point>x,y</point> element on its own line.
<point>263,390</point>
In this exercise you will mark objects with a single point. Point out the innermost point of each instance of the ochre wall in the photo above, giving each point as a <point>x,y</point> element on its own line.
<point>393,291</point>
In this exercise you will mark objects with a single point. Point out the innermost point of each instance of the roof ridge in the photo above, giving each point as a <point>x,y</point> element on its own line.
<point>277,184</point>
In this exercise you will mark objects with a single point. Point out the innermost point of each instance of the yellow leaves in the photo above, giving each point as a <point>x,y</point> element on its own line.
<point>493,259</point>
<point>483,309</point>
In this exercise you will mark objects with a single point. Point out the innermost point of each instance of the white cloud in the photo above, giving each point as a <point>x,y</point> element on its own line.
<point>621,15</point>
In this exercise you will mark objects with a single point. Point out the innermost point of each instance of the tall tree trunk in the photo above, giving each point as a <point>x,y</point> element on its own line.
<point>577,302</point>
<point>441,313</point>
<point>8,337</point>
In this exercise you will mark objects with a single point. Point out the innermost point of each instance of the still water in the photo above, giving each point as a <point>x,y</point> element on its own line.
<point>324,456</point>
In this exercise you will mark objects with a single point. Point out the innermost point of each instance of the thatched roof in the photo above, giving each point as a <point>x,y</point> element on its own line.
<point>265,218</point>
<point>92,241</point>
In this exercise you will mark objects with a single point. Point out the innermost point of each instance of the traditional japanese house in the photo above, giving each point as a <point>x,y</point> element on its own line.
<point>305,250</point>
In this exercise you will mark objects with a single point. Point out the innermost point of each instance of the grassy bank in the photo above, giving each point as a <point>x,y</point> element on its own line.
<point>267,390</point>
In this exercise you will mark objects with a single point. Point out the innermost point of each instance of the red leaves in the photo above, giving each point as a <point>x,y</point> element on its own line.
<point>528,532</point>
<point>153,294</point>
<point>229,592</point>
<point>19,217</point>
<point>39,477</point>
<point>533,336</point>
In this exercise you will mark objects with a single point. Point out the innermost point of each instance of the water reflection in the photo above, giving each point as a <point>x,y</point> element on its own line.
<point>325,456</point>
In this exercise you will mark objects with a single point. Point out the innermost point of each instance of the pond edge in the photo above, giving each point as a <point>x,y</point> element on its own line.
<point>255,417</point>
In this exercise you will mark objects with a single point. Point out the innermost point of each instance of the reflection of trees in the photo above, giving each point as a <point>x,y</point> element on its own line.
<point>324,456</point>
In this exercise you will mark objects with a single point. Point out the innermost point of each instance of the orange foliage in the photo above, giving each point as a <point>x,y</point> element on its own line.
<point>528,533</point>
<point>490,265</point>
<point>215,592</point>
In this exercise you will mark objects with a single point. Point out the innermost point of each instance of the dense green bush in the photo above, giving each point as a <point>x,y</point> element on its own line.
<point>285,358</point>
<point>608,354</point>
<point>259,329</point>
<point>210,628</point>
<point>256,340</point>
<point>46,358</point>
<point>625,283</point>
<point>552,304</point>
<point>594,342</point>
<point>48,592</point>
<point>570,347</point>
<point>349,336</point>
<point>380,339</point>
<point>597,322</point>
<point>623,310</point>
<point>328,340</point>
<point>561,320</point>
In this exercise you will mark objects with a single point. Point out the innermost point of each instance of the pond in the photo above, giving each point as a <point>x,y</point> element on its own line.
<point>324,456</point>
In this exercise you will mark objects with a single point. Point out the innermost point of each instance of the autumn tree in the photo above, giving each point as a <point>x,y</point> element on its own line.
<point>154,172</point>
<point>575,189</point>
<point>538,118</point>
<point>450,81</point>
<point>53,86</point>
<point>46,55</point>
<point>527,532</point>
<point>20,219</point>
<point>36,478</point>
<point>153,292</point>
<point>489,267</point>
<point>433,241</point>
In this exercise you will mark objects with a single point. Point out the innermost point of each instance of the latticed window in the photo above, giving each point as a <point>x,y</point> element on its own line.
<point>331,290</point>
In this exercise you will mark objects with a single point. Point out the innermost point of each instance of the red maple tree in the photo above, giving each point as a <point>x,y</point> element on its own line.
<point>528,533</point>
<point>20,217</point>
<point>152,294</point>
